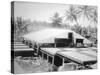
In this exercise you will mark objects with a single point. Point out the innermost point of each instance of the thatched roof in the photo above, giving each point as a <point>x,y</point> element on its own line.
<point>48,35</point>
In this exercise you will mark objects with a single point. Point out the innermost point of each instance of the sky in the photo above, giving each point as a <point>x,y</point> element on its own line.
<point>41,11</point>
<point>38,11</point>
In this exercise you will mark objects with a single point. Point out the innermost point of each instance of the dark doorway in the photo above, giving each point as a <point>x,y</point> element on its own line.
<point>45,56</point>
<point>62,42</point>
<point>50,59</point>
<point>79,43</point>
<point>58,61</point>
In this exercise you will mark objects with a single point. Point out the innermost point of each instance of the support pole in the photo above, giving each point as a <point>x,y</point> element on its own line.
<point>52,60</point>
<point>42,55</point>
<point>47,57</point>
<point>55,45</point>
<point>63,61</point>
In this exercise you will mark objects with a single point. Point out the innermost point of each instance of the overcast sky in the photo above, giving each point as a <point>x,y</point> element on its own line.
<point>40,11</point>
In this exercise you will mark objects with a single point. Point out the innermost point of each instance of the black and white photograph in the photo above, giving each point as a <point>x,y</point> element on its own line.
<point>53,37</point>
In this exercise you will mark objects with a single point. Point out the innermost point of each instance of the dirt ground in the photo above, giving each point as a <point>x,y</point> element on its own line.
<point>30,65</point>
<point>24,65</point>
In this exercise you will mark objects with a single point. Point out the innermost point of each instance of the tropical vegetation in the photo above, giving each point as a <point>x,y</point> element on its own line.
<point>73,14</point>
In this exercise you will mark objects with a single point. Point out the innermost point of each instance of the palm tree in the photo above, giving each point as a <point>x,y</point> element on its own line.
<point>86,11</point>
<point>95,21</point>
<point>94,17</point>
<point>21,25</point>
<point>72,14</point>
<point>56,20</point>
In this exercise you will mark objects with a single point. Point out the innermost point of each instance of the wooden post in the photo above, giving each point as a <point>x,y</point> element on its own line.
<point>33,44</point>
<point>55,44</point>
<point>47,57</point>
<point>63,61</point>
<point>52,60</point>
<point>77,66</point>
<point>42,55</point>
<point>37,48</point>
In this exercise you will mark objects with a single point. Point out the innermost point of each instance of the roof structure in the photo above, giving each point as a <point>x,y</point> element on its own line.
<point>78,57</point>
<point>51,51</point>
<point>77,49</point>
<point>89,53</point>
<point>18,44</point>
<point>48,35</point>
<point>24,49</point>
<point>85,51</point>
<point>16,47</point>
<point>69,49</point>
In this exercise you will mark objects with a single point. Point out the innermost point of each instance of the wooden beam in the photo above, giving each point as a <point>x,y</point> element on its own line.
<point>42,55</point>
<point>52,60</point>
<point>63,61</point>
<point>55,45</point>
<point>47,57</point>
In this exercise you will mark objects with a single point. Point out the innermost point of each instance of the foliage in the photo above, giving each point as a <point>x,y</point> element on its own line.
<point>90,12</point>
<point>56,20</point>
<point>86,11</point>
<point>20,25</point>
<point>77,29</point>
<point>94,16</point>
<point>72,14</point>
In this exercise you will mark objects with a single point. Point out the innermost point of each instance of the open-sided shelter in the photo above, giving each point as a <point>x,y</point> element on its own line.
<point>55,37</point>
<point>77,57</point>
